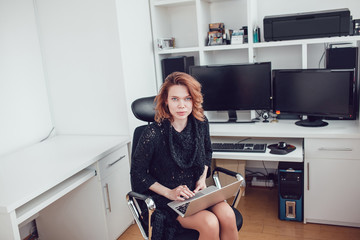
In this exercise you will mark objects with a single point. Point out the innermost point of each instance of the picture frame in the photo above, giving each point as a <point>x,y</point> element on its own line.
<point>166,43</point>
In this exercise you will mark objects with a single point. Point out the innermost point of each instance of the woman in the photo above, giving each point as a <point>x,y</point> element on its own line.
<point>172,159</point>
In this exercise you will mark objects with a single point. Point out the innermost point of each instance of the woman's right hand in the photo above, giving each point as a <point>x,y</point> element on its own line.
<point>180,193</point>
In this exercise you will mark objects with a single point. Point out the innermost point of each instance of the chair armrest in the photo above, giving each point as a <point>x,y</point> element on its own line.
<point>135,210</point>
<point>138,196</point>
<point>226,171</point>
<point>236,175</point>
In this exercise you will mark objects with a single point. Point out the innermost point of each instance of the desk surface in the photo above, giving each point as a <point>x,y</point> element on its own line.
<point>287,129</point>
<point>29,172</point>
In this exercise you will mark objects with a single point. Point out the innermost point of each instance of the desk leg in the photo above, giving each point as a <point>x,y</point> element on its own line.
<point>9,229</point>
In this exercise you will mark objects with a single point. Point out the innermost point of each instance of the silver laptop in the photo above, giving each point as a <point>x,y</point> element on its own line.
<point>204,199</point>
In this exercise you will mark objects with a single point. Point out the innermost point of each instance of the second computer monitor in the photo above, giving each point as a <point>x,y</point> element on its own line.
<point>316,93</point>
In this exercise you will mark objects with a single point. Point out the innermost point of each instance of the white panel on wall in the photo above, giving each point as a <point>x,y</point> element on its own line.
<point>24,109</point>
<point>82,54</point>
<point>136,51</point>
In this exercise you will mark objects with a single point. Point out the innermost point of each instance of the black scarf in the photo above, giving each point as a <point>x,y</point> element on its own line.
<point>184,146</point>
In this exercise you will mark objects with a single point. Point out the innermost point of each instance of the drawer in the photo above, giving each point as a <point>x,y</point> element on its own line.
<point>113,162</point>
<point>332,148</point>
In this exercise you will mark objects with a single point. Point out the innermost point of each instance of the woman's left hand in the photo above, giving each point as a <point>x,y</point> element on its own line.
<point>200,185</point>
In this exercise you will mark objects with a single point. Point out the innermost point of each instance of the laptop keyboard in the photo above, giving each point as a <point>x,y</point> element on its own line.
<point>239,147</point>
<point>182,208</point>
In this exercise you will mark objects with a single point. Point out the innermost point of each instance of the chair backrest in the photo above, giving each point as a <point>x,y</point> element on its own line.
<point>144,110</point>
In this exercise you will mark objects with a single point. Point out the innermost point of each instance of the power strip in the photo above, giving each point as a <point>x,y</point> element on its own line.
<point>262,182</point>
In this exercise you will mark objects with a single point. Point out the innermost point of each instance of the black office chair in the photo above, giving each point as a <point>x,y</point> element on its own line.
<point>144,109</point>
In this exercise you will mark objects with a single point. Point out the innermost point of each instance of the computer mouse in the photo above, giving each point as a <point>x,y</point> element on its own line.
<point>282,145</point>
<point>278,151</point>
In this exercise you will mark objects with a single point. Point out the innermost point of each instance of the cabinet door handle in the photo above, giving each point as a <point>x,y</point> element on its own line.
<point>111,164</point>
<point>346,149</point>
<point>308,176</point>
<point>108,197</point>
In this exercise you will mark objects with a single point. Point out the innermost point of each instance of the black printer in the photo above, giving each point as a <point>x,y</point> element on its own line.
<point>307,25</point>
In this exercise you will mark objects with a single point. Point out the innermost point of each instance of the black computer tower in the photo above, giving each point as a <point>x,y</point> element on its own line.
<point>176,64</point>
<point>338,57</point>
<point>291,191</point>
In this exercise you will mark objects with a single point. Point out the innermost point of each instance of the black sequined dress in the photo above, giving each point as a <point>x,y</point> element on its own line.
<point>170,158</point>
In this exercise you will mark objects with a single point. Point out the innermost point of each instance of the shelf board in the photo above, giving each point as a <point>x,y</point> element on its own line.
<point>173,3</point>
<point>206,49</point>
<point>283,43</point>
<point>226,47</point>
<point>294,156</point>
<point>177,50</point>
<point>306,41</point>
<point>211,1</point>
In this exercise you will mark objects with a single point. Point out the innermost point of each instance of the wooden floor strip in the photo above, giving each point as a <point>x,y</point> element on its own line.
<point>259,208</point>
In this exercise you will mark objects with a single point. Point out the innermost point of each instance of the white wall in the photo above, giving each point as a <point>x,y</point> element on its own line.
<point>278,7</point>
<point>137,52</point>
<point>24,110</point>
<point>61,65</point>
<point>77,56</point>
<point>85,58</point>
<point>81,47</point>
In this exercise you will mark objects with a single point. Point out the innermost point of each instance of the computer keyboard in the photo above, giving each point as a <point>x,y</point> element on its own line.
<point>239,147</point>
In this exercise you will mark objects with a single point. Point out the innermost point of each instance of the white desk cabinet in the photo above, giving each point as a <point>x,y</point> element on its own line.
<point>59,182</point>
<point>95,210</point>
<point>332,192</point>
<point>115,182</point>
<point>77,215</point>
<point>331,164</point>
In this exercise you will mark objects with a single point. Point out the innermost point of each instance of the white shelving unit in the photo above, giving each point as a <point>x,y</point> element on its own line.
<point>188,21</point>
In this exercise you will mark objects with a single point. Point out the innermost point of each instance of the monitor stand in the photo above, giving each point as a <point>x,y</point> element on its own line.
<point>229,116</point>
<point>232,116</point>
<point>240,116</point>
<point>312,121</point>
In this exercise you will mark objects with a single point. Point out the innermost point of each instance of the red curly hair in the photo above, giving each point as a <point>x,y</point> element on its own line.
<point>194,88</point>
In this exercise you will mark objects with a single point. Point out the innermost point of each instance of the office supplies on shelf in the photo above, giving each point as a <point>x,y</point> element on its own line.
<point>239,147</point>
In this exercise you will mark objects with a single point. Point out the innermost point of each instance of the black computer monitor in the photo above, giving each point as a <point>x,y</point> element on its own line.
<point>235,87</point>
<point>316,93</point>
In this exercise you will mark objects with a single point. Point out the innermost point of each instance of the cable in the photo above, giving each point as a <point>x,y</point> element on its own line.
<point>255,173</point>
<point>322,56</point>
<point>33,233</point>
<point>242,140</point>
<point>267,173</point>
